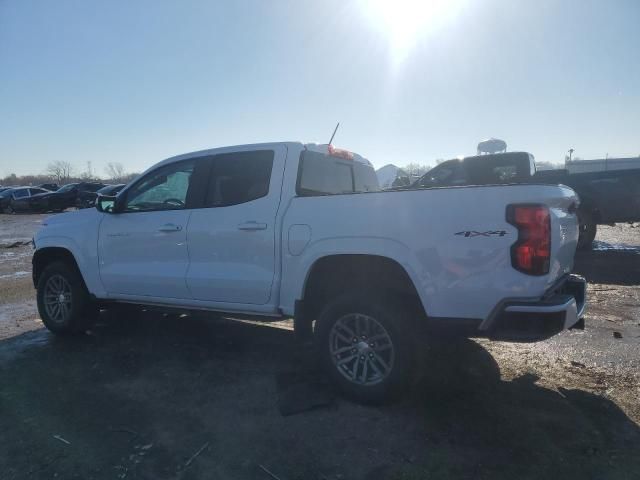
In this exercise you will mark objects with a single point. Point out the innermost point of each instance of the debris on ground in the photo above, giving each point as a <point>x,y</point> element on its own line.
<point>195,455</point>
<point>59,438</point>
<point>271,474</point>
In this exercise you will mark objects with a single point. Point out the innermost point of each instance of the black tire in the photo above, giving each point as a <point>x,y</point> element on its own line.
<point>76,313</point>
<point>10,210</point>
<point>370,386</point>
<point>587,229</point>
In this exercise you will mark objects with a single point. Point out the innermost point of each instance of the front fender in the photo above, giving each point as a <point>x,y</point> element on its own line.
<point>86,258</point>
<point>76,232</point>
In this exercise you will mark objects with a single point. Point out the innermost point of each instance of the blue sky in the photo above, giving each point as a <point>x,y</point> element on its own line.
<point>139,81</point>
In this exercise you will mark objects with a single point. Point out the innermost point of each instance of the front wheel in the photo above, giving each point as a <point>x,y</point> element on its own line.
<point>365,347</point>
<point>10,210</point>
<point>63,301</point>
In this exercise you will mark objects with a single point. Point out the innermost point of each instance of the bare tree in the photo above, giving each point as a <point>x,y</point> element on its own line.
<point>60,170</point>
<point>115,171</point>
<point>416,169</point>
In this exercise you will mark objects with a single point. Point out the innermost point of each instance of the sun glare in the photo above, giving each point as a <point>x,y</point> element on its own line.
<point>405,22</point>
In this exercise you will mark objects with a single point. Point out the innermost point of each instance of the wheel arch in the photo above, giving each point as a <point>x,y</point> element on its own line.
<point>335,274</point>
<point>588,204</point>
<point>45,256</point>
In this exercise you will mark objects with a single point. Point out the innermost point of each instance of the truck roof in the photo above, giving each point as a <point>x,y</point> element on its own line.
<point>315,147</point>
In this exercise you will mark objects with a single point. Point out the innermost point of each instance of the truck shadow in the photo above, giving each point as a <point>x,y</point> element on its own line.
<point>179,382</point>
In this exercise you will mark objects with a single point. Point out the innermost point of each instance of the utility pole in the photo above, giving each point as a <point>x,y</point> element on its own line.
<point>571,150</point>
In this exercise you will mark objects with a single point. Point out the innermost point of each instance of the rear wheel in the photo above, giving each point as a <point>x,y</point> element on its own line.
<point>10,209</point>
<point>63,301</point>
<point>365,347</point>
<point>587,229</point>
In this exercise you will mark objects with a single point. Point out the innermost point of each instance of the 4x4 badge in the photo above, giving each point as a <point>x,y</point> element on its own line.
<point>488,233</point>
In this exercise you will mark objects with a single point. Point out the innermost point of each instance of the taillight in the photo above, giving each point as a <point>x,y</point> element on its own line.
<point>531,254</point>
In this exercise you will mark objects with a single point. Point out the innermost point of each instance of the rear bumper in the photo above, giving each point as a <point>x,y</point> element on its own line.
<point>524,319</point>
<point>561,308</point>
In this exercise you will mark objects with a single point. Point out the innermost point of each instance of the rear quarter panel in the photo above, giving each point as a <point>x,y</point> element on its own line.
<point>456,274</point>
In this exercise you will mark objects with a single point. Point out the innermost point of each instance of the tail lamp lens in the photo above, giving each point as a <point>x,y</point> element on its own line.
<point>531,253</point>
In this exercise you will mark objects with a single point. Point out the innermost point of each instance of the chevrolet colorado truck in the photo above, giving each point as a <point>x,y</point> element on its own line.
<point>302,230</point>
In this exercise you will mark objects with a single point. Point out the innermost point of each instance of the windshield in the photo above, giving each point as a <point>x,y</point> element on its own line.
<point>67,188</point>
<point>110,189</point>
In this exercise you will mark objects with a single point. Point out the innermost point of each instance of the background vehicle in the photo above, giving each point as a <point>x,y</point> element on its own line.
<point>65,197</point>
<point>606,196</point>
<point>18,199</point>
<point>493,169</point>
<point>52,187</point>
<point>287,229</point>
<point>87,199</point>
<point>5,198</point>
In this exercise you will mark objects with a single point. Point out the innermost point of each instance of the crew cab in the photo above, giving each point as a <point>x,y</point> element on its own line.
<point>303,230</point>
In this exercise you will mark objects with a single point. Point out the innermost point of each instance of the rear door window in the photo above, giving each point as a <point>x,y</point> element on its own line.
<point>239,177</point>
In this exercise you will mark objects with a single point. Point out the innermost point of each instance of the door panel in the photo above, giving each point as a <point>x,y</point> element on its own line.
<point>143,246</point>
<point>145,253</point>
<point>232,242</point>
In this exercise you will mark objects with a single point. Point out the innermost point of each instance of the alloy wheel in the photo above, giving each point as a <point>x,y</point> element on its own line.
<point>57,299</point>
<point>361,349</point>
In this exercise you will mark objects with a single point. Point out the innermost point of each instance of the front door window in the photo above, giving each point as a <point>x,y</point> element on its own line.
<point>165,189</point>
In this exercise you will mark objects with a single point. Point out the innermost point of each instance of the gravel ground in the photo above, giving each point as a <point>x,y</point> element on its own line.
<point>142,393</point>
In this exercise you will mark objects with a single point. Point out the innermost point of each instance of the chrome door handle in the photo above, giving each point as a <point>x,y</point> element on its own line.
<point>170,227</point>
<point>252,226</point>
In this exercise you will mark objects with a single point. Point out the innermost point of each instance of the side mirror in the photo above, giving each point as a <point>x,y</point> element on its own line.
<point>106,203</point>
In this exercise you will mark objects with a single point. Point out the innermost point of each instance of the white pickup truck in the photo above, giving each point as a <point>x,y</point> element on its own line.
<point>303,231</point>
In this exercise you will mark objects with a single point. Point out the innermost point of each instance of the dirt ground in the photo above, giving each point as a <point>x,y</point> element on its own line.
<point>146,395</point>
